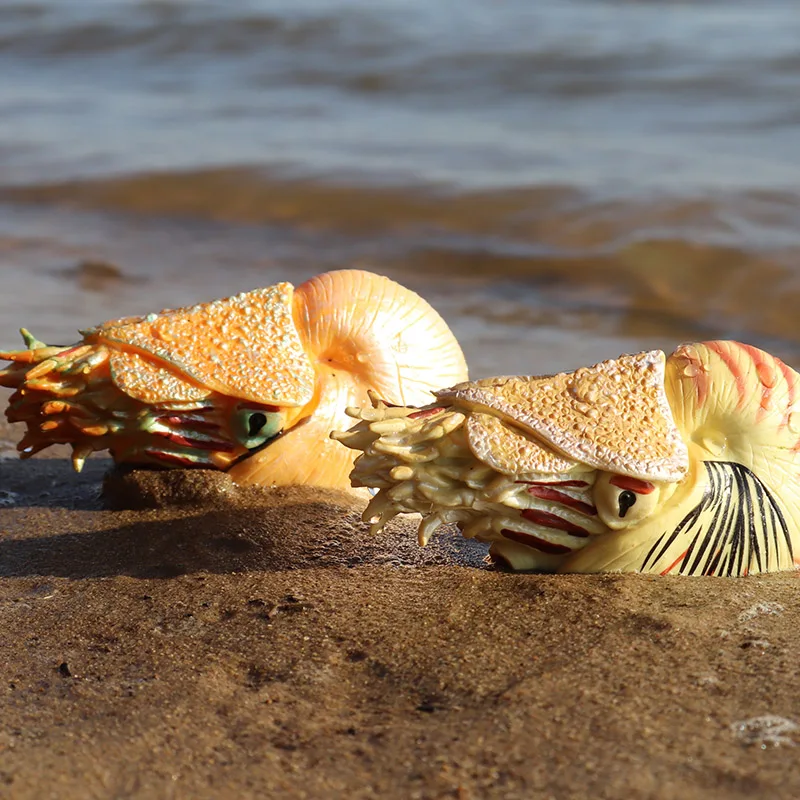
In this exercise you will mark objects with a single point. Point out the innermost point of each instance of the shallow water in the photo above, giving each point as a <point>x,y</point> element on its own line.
<point>564,181</point>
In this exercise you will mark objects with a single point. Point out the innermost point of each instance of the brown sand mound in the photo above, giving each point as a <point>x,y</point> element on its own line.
<point>277,650</point>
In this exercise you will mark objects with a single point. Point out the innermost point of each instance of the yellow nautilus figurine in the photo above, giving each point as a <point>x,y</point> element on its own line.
<point>252,384</point>
<point>683,465</point>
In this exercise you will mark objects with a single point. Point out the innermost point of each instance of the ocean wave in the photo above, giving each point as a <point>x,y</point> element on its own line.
<point>692,96</point>
<point>705,258</point>
<point>580,49</point>
<point>172,30</point>
<point>514,271</point>
<point>560,218</point>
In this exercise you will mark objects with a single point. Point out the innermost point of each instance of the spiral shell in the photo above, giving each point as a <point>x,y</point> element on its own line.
<point>738,512</point>
<point>687,465</point>
<point>252,384</point>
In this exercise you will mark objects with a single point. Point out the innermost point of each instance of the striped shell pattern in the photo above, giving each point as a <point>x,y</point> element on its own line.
<point>683,465</point>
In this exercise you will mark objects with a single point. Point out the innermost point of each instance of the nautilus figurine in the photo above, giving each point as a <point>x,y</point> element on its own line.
<point>252,384</point>
<point>683,465</point>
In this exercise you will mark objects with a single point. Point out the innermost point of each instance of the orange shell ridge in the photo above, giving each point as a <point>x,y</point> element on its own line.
<point>230,346</point>
<point>510,450</point>
<point>613,416</point>
<point>148,381</point>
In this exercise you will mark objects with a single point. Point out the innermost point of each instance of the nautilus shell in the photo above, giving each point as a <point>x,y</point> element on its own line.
<point>252,384</point>
<point>682,465</point>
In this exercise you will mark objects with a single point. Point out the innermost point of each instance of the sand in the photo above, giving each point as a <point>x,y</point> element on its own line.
<point>253,645</point>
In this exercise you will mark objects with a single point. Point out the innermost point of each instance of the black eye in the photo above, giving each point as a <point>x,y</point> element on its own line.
<point>256,422</point>
<point>626,500</point>
<point>253,428</point>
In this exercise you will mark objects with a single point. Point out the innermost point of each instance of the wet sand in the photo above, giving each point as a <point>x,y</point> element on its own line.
<point>563,182</point>
<point>264,645</point>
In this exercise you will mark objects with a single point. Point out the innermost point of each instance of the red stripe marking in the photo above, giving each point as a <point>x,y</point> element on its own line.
<point>69,351</point>
<point>675,563</point>
<point>634,484</point>
<point>767,376</point>
<point>535,542</point>
<point>426,412</point>
<point>546,493</point>
<point>733,365</point>
<point>700,375</point>
<point>224,447</point>
<point>791,385</point>
<point>548,520</point>
<point>201,425</point>
<point>554,483</point>
<point>171,457</point>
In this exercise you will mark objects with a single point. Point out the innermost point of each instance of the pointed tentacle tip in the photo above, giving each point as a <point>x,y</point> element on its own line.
<point>31,342</point>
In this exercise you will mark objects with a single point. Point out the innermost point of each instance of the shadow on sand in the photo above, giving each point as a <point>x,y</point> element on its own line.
<point>58,526</point>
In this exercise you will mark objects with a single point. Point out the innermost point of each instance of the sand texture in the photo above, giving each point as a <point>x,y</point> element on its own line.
<point>253,645</point>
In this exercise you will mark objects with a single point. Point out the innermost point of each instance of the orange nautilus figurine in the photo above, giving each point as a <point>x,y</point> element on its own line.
<point>252,384</point>
<point>682,465</point>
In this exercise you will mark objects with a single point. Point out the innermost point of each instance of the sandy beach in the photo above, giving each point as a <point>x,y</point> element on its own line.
<point>563,182</point>
<point>253,644</point>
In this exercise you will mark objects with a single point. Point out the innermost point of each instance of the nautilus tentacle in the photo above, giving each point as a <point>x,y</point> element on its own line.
<point>689,465</point>
<point>252,383</point>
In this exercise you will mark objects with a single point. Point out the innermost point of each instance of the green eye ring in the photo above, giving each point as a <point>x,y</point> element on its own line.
<point>252,427</point>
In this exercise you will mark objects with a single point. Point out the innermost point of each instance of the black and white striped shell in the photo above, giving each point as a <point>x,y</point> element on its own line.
<point>682,465</point>
<point>738,510</point>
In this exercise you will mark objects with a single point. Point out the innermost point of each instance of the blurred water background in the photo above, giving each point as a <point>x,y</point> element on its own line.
<point>564,180</point>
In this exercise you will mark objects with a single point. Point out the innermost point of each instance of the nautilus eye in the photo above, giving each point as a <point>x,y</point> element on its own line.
<point>622,501</point>
<point>626,500</point>
<point>252,427</point>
